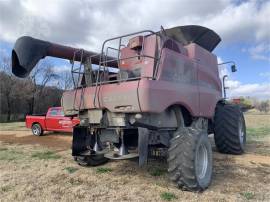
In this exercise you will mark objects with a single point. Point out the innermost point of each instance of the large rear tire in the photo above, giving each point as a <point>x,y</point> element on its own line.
<point>229,129</point>
<point>190,159</point>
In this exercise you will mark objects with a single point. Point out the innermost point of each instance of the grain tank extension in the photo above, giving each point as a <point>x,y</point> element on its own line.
<point>146,94</point>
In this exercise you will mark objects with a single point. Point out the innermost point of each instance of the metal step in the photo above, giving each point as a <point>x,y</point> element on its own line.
<point>115,156</point>
<point>88,152</point>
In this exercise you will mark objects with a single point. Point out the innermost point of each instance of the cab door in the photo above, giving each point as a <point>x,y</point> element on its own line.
<point>52,120</point>
<point>65,122</point>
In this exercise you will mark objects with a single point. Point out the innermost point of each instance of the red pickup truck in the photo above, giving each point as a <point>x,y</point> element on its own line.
<point>54,120</point>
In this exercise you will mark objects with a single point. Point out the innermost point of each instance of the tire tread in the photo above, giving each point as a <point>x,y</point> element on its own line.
<point>226,129</point>
<point>181,157</point>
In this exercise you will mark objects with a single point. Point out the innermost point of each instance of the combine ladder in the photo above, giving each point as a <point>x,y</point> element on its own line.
<point>78,80</point>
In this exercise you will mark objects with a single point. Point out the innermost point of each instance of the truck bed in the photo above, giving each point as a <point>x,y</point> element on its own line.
<point>31,119</point>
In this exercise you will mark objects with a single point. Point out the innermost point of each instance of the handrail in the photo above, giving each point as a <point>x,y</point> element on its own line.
<point>146,56</point>
<point>73,79</point>
<point>103,63</point>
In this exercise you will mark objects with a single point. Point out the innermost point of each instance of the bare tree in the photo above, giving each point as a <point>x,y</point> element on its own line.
<point>39,77</point>
<point>264,106</point>
<point>67,81</point>
<point>35,93</point>
<point>6,93</point>
<point>7,85</point>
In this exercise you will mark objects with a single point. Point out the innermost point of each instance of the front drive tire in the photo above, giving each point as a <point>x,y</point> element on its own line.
<point>229,129</point>
<point>190,159</point>
<point>37,129</point>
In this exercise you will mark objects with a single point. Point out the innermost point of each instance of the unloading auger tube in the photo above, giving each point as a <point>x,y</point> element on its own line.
<point>28,51</point>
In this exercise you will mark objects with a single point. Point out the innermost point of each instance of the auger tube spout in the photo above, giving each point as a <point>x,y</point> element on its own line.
<point>28,51</point>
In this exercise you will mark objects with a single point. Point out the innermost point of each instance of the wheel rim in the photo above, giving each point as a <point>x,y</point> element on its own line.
<point>202,161</point>
<point>241,133</point>
<point>36,130</point>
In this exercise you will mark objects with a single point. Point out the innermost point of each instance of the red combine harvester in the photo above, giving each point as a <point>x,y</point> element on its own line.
<point>146,94</point>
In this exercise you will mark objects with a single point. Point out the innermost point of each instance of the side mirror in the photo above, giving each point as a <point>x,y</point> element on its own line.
<point>233,68</point>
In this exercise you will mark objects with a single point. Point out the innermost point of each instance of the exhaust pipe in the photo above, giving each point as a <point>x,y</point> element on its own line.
<point>28,51</point>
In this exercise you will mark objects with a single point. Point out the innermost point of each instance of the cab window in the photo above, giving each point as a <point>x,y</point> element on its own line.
<point>53,112</point>
<point>60,112</point>
<point>170,44</point>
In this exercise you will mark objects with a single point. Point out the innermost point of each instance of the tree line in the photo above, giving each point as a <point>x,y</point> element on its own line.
<point>42,89</point>
<point>247,103</point>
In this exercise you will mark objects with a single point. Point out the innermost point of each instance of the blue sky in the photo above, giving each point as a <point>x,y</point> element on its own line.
<point>249,70</point>
<point>244,27</point>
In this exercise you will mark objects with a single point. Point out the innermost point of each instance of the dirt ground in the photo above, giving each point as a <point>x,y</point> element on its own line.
<point>41,169</point>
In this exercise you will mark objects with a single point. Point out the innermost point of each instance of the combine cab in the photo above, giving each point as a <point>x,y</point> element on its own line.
<point>146,93</point>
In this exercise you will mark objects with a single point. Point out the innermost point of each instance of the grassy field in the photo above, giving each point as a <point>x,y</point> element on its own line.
<point>18,126</point>
<point>41,169</point>
<point>258,126</point>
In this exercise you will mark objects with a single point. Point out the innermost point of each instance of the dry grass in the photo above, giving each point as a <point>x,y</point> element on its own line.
<point>258,127</point>
<point>34,179</point>
<point>257,121</point>
<point>46,155</point>
<point>18,126</point>
<point>256,112</point>
<point>31,172</point>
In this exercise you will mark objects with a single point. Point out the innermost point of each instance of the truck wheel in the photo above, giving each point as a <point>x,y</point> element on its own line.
<point>37,130</point>
<point>92,160</point>
<point>229,129</point>
<point>190,159</point>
